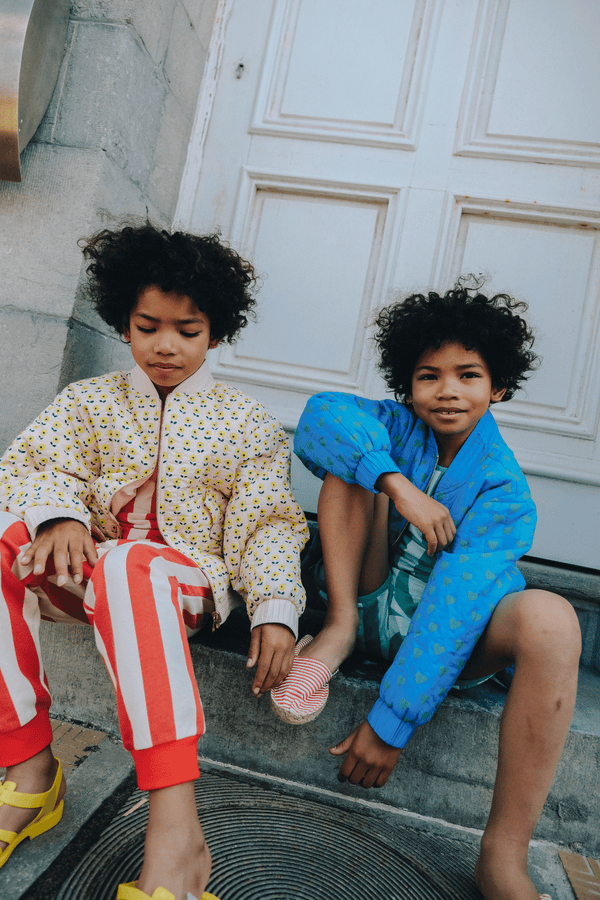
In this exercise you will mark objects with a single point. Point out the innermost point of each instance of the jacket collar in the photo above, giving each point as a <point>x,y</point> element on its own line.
<point>197,383</point>
<point>480,441</point>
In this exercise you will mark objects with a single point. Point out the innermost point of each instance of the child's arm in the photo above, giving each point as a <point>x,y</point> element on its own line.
<point>48,470</point>
<point>353,438</point>
<point>69,542</point>
<point>428,515</point>
<point>264,532</point>
<point>362,442</point>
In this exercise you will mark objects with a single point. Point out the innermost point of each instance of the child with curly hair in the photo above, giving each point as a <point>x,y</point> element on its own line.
<point>422,515</point>
<point>145,503</point>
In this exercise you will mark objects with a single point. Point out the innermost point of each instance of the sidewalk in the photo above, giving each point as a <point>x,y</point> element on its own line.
<point>99,775</point>
<point>270,838</point>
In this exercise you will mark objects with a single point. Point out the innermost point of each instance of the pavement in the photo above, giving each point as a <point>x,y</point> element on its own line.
<point>101,786</point>
<point>98,771</point>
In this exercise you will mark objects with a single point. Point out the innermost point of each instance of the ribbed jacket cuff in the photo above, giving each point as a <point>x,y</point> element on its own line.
<point>37,515</point>
<point>394,731</point>
<point>278,612</point>
<point>372,466</point>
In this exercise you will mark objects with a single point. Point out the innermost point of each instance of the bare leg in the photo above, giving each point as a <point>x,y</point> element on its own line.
<point>33,776</point>
<point>539,633</point>
<point>353,529</point>
<point>176,856</point>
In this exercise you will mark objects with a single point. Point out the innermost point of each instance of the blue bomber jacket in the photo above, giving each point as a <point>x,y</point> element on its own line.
<point>488,498</point>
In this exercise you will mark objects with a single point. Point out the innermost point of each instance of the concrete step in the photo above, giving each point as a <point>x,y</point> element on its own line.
<point>447,771</point>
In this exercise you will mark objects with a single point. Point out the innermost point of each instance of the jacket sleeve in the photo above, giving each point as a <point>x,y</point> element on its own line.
<point>265,529</point>
<point>48,470</point>
<point>463,590</point>
<point>351,437</point>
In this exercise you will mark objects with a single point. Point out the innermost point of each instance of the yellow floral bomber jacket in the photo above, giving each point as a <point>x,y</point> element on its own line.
<point>223,495</point>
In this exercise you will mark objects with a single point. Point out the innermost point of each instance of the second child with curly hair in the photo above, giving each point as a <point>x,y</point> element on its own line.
<point>422,515</point>
<point>145,503</point>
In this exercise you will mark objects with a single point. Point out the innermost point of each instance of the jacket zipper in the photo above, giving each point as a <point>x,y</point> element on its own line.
<point>216,616</point>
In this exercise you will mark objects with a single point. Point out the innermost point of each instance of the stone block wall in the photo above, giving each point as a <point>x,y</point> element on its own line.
<point>113,142</point>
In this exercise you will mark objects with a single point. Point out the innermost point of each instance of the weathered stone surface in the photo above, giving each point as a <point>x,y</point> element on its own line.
<point>40,223</point>
<point>122,114</point>
<point>202,14</point>
<point>150,19</point>
<point>42,266</point>
<point>169,157</point>
<point>89,352</point>
<point>89,786</point>
<point>185,59</point>
<point>32,349</point>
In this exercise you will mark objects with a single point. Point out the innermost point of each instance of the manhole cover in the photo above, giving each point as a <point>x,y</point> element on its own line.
<point>269,846</point>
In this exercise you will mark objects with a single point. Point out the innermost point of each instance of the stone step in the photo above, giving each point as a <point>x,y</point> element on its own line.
<point>446,772</point>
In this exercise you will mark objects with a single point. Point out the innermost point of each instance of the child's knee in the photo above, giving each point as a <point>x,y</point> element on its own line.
<point>547,623</point>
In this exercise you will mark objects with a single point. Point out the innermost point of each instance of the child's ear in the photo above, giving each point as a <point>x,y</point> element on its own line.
<point>213,343</point>
<point>497,394</point>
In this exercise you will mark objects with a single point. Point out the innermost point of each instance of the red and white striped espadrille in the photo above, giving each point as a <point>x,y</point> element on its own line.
<point>302,696</point>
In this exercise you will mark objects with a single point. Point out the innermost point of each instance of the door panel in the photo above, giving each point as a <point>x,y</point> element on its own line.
<point>353,149</point>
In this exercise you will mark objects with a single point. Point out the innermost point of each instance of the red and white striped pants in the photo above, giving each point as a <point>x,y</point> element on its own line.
<point>143,600</point>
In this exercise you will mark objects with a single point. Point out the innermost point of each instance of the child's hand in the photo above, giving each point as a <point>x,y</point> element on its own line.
<point>431,518</point>
<point>68,541</point>
<point>370,761</point>
<point>272,647</point>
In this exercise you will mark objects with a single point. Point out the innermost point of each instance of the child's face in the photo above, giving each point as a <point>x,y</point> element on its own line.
<point>169,337</point>
<point>451,390</point>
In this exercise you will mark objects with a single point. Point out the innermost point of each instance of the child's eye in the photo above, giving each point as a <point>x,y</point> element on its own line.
<point>144,330</point>
<point>190,334</point>
<point>471,375</point>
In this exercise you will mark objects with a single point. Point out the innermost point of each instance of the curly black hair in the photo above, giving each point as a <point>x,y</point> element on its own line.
<point>490,325</point>
<point>130,258</point>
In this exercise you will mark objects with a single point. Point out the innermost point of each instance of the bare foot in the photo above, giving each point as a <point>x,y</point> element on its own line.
<point>500,877</point>
<point>177,868</point>
<point>176,856</point>
<point>333,644</point>
<point>34,776</point>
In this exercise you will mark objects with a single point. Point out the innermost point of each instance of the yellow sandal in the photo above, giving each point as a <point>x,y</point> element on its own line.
<point>49,815</point>
<point>131,892</point>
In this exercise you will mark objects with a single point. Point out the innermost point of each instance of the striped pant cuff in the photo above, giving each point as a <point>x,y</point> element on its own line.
<point>167,764</point>
<point>28,740</point>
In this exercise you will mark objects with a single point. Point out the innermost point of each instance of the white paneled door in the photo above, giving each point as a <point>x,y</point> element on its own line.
<point>351,149</point>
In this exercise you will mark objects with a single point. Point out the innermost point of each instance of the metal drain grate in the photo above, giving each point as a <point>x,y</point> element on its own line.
<point>269,846</point>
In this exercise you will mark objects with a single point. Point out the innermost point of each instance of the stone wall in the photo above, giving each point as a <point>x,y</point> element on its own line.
<point>113,142</point>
